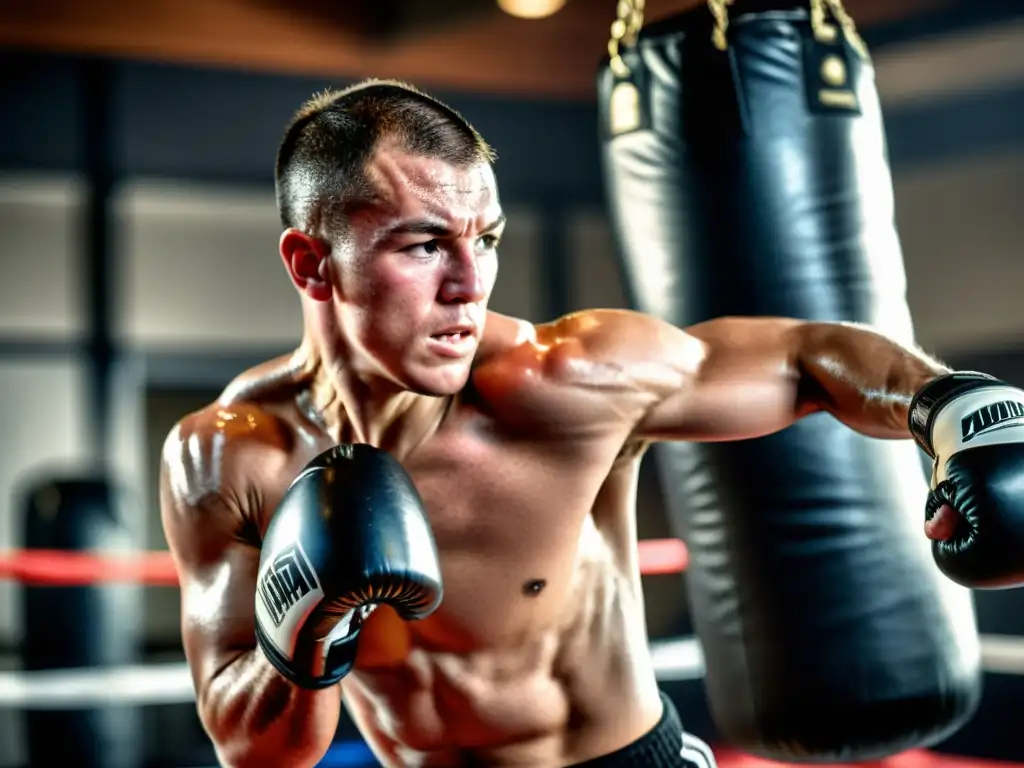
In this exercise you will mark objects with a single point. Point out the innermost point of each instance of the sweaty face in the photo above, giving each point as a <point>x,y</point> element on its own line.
<point>418,269</point>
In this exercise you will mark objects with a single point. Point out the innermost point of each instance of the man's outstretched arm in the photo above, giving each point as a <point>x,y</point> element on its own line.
<point>754,376</point>
<point>739,378</point>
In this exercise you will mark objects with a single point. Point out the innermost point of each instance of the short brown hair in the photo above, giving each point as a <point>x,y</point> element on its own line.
<point>321,162</point>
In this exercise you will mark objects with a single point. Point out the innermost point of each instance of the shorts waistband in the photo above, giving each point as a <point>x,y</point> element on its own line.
<point>666,745</point>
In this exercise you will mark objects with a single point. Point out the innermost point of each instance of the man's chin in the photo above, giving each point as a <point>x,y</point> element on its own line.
<point>441,381</point>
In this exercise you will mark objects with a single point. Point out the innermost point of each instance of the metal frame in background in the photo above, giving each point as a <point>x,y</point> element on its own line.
<point>98,139</point>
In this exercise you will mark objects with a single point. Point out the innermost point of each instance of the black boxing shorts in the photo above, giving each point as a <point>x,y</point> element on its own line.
<point>666,745</point>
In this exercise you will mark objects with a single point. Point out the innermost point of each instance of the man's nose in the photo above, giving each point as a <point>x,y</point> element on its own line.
<point>464,282</point>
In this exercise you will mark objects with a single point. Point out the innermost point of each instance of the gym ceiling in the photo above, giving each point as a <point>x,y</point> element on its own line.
<point>463,45</point>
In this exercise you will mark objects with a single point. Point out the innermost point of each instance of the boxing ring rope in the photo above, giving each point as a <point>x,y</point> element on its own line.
<point>43,567</point>
<point>676,659</point>
<point>171,683</point>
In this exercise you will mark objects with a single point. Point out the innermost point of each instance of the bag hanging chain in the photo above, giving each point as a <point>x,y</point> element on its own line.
<point>720,10</point>
<point>849,28</point>
<point>625,30</point>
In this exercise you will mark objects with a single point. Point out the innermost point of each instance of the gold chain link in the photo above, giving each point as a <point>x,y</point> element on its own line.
<point>625,30</point>
<point>823,31</point>
<point>720,10</point>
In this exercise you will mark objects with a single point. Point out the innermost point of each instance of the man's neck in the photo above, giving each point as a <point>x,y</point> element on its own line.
<point>353,408</point>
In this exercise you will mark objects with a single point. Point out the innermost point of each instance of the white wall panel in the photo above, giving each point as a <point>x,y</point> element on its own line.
<point>595,279</point>
<point>41,228</point>
<point>517,290</point>
<point>962,228</point>
<point>41,420</point>
<point>201,269</point>
<point>932,68</point>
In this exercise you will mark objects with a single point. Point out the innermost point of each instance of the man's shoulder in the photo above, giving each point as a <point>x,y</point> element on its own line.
<point>249,414</point>
<point>232,423</point>
<point>616,332</point>
<point>577,331</point>
<point>578,345</point>
<point>586,370</point>
<point>220,451</point>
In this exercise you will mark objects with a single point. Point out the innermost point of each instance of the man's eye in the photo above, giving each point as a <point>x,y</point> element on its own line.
<point>488,242</point>
<point>429,248</point>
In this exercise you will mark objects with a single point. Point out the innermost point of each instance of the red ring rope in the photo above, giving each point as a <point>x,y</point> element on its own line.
<point>44,567</point>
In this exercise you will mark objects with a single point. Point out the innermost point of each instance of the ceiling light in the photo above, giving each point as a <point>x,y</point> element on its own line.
<point>530,9</point>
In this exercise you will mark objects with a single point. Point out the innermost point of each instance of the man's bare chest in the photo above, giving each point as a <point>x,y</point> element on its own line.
<point>507,510</point>
<point>493,494</point>
<point>507,519</point>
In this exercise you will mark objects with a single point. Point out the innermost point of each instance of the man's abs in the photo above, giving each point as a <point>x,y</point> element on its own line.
<point>580,688</point>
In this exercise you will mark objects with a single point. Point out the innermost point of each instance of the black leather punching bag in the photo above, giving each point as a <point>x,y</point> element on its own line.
<point>79,627</point>
<point>747,174</point>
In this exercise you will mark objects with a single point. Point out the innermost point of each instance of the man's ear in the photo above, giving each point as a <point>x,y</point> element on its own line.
<point>307,260</point>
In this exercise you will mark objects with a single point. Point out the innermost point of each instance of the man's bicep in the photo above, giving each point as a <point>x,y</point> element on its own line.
<point>746,384</point>
<point>217,571</point>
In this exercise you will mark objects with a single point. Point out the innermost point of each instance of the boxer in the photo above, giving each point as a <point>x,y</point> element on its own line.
<point>426,512</point>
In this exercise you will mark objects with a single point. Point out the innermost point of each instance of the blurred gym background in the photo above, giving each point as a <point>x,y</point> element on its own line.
<point>138,240</point>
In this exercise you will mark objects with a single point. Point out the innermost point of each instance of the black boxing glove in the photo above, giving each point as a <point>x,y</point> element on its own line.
<point>351,533</point>
<point>972,425</point>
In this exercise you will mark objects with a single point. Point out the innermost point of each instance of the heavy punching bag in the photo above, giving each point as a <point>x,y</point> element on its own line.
<point>79,626</point>
<point>746,172</point>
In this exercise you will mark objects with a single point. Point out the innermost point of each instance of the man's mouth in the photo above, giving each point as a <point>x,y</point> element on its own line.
<point>455,341</point>
<point>452,336</point>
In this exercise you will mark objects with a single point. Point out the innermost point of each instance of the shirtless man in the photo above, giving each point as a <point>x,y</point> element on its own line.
<point>523,442</point>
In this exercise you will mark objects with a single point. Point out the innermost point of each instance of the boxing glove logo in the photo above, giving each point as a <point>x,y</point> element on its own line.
<point>989,418</point>
<point>983,416</point>
<point>288,589</point>
<point>288,579</point>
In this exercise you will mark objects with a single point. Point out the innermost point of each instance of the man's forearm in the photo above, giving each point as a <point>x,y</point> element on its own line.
<point>256,717</point>
<point>864,379</point>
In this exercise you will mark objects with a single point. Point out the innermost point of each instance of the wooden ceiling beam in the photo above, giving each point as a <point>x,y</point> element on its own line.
<point>485,52</point>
